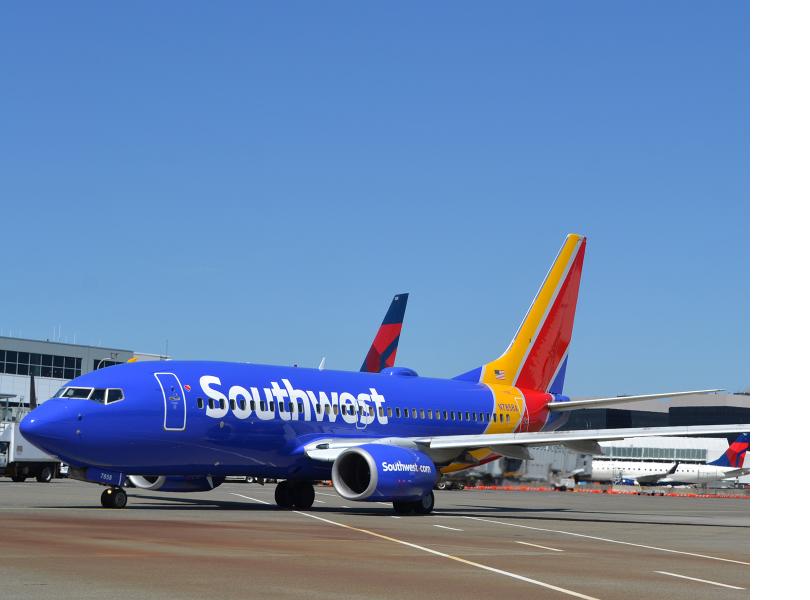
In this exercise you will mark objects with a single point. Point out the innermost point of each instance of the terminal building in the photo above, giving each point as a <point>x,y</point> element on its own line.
<point>52,364</point>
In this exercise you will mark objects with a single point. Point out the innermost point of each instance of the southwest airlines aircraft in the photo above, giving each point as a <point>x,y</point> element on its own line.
<point>729,464</point>
<point>185,425</point>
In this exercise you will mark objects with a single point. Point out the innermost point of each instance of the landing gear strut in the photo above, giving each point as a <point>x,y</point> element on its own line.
<point>114,497</point>
<point>423,506</point>
<point>298,494</point>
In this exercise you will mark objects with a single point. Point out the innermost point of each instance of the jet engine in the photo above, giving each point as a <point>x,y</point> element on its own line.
<point>165,483</point>
<point>383,473</point>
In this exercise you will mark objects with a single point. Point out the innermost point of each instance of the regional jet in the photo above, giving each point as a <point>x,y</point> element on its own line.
<point>380,437</point>
<point>728,465</point>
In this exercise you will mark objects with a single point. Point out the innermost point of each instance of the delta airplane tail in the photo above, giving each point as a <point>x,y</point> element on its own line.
<point>383,349</point>
<point>538,354</point>
<point>735,455</point>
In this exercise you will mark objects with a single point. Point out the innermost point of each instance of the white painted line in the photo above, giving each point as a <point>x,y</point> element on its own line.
<point>319,501</point>
<point>325,494</point>
<point>450,528</point>
<point>539,546</point>
<point>344,506</point>
<point>395,517</point>
<point>725,585</point>
<point>601,539</point>
<point>248,497</point>
<point>451,557</point>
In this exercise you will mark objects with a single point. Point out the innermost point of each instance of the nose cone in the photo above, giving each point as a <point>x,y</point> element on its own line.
<point>49,426</point>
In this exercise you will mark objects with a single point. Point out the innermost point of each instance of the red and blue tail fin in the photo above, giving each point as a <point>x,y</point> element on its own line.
<point>537,357</point>
<point>735,455</point>
<point>383,349</point>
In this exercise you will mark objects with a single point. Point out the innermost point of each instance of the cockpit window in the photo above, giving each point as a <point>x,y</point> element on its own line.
<point>114,395</point>
<point>100,395</point>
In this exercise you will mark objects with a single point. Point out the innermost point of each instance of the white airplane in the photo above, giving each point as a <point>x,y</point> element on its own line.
<point>634,472</point>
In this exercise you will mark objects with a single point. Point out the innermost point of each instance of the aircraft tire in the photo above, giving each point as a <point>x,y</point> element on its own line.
<point>303,495</point>
<point>424,506</point>
<point>403,508</point>
<point>45,475</point>
<point>284,495</point>
<point>118,498</point>
<point>106,498</point>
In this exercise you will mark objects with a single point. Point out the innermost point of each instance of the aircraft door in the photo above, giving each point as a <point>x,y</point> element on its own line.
<point>174,402</point>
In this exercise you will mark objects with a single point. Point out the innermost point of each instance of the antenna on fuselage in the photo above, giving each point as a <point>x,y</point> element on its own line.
<point>323,364</point>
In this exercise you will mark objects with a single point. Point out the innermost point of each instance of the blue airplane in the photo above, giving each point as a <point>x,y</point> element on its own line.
<point>185,425</point>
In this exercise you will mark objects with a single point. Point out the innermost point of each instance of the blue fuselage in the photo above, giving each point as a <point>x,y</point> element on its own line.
<point>214,418</point>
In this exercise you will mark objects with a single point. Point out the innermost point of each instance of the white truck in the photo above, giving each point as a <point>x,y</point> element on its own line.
<point>19,459</point>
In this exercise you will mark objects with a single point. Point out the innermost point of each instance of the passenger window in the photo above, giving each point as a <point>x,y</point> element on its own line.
<point>429,414</point>
<point>98,395</point>
<point>398,413</point>
<point>221,404</point>
<point>211,403</point>
<point>253,405</point>
<point>242,404</point>
<point>467,416</point>
<point>199,403</point>
<point>271,406</point>
<point>422,413</point>
<point>233,404</point>
<point>501,417</point>
<point>114,395</point>
<point>390,412</point>
<point>404,412</point>
<point>445,415</point>
<point>300,407</point>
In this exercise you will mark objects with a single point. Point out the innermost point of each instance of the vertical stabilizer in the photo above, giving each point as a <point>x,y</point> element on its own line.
<point>537,357</point>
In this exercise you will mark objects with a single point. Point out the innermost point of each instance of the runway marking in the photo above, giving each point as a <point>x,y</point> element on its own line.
<point>249,498</point>
<point>450,528</point>
<point>725,585</point>
<point>601,539</point>
<point>319,501</point>
<point>325,494</point>
<point>450,557</point>
<point>344,506</point>
<point>539,546</point>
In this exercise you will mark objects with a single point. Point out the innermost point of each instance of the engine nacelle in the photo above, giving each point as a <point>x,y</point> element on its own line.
<point>176,483</point>
<point>382,473</point>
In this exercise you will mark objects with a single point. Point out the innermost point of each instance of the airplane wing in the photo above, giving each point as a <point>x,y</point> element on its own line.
<point>600,402</point>
<point>515,444</point>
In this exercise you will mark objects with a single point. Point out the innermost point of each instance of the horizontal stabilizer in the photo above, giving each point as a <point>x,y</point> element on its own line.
<point>600,402</point>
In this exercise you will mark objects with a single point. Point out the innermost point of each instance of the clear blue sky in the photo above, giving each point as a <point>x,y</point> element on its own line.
<point>254,181</point>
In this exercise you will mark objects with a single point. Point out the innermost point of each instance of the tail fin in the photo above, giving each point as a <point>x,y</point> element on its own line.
<point>383,349</point>
<point>537,357</point>
<point>735,455</point>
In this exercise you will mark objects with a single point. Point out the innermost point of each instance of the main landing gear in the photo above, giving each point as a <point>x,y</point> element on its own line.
<point>114,497</point>
<point>423,506</point>
<point>295,494</point>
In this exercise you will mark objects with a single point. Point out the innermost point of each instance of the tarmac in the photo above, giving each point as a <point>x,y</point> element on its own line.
<point>56,542</point>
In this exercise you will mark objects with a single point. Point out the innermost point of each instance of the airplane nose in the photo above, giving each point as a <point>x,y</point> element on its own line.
<point>47,425</point>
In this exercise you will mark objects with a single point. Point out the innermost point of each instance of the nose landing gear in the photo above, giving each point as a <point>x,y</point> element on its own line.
<point>114,497</point>
<point>295,494</point>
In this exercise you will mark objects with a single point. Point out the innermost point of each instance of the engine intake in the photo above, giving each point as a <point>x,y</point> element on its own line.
<point>378,472</point>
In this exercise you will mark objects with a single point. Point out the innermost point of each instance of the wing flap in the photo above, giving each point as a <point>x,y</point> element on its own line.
<point>561,437</point>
